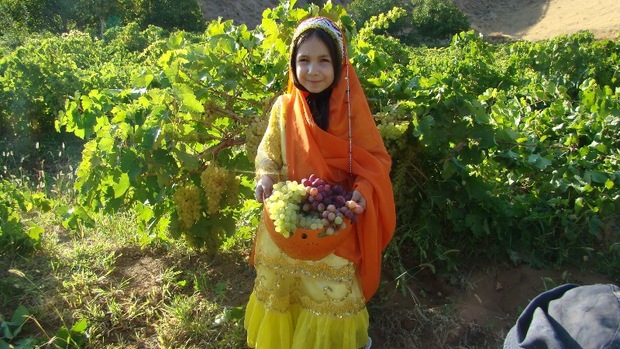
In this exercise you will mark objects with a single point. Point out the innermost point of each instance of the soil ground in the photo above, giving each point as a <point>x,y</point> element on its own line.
<point>479,309</point>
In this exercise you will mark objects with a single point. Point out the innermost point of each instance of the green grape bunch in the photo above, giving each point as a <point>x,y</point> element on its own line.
<point>284,206</point>
<point>392,131</point>
<point>187,204</point>
<point>220,186</point>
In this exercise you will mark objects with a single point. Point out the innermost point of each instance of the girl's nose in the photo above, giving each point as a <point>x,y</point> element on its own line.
<point>312,68</point>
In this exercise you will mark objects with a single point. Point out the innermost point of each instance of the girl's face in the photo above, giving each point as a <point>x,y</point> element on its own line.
<point>314,66</point>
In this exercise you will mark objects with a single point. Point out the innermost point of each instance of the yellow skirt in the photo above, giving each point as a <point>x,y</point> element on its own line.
<point>304,304</point>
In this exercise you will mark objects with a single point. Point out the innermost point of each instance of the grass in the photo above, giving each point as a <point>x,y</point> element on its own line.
<point>131,297</point>
<point>173,297</point>
<point>99,287</point>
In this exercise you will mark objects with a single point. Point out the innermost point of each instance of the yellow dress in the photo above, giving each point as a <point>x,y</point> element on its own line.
<point>295,303</point>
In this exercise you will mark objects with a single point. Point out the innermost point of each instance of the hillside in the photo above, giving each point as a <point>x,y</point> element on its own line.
<point>520,19</point>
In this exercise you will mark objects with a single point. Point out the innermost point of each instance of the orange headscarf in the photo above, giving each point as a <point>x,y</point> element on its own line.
<point>326,153</point>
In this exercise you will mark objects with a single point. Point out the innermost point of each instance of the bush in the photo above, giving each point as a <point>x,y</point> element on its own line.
<point>429,22</point>
<point>174,14</point>
<point>16,236</point>
<point>438,19</point>
<point>362,10</point>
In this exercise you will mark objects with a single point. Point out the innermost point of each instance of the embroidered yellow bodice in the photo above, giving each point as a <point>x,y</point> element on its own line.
<point>271,153</point>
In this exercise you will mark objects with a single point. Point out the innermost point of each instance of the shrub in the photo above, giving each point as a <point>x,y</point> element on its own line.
<point>438,19</point>
<point>174,14</point>
<point>15,235</point>
<point>362,10</point>
<point>429,22</point>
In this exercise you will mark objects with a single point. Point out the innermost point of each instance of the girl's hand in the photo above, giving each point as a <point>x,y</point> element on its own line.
<point>264,186</point>
<point>359,198</point>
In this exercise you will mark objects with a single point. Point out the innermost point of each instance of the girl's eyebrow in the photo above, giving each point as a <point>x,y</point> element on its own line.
<point>304,55</point>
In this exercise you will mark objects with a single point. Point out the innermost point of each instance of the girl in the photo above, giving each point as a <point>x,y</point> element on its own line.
<point>322,125</point>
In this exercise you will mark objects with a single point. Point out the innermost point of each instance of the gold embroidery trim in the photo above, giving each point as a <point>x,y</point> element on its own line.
<point>278,264</point>
<point>345,306</point>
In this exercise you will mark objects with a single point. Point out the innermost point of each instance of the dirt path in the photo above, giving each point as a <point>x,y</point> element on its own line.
<point>542,19</point>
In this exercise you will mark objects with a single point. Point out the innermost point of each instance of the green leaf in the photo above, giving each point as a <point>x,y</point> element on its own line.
<point>14,327</point>
<point>539,161</point>
<point>80,326</point>
<point>150,138</point>
<point>448,170</point>
<point>595,225</point>
<point>35,232</point>
<point>176,39</point>
<point>609,184</point>
<point>191,104</point>
<point>595,177</point>
<point>579,204</point>
<point>188,161</point>
<point>121,187</point>
<point>75,215</point>
<point>131,163</point>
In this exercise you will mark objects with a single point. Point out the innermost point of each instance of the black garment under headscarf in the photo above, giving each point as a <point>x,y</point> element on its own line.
<point>319,106</point>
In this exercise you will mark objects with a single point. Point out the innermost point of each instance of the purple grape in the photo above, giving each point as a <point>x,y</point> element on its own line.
<point>340,200</point>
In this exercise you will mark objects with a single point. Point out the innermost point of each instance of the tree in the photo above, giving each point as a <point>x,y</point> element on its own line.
<point>362,10</point>
<point>173,14</point>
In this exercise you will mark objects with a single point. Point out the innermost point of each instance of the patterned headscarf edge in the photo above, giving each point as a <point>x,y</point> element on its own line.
<point>327,25</point>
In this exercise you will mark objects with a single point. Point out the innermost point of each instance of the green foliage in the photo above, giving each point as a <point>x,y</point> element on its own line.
<point>130,38</point>
<point>32,15</point>
<point>37,78</point>
<point>95,17</point>
<point>149,146</point>
<point>424,22</point>
<point>9,330</point>
<point>74,337</point>
<point>363,10</point>
<point>173,14</point>
<point>437,19</point>
<point>509,153</point>
<point>12,31</point>
<point>17,237</point>
<point>511,147</point>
